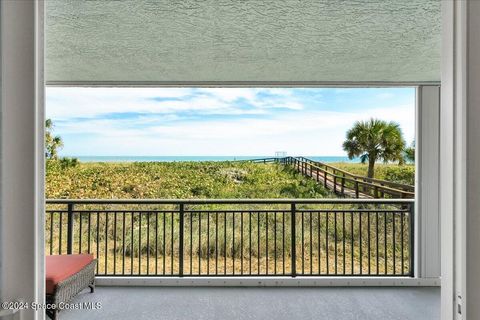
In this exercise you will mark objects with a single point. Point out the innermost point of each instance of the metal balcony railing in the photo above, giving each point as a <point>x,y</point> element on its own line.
<point>251,237</point>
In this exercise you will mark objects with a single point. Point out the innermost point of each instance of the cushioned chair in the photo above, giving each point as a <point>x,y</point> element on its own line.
<point>66,276</point>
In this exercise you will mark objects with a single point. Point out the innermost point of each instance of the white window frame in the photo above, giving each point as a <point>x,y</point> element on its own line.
<point>427,218</point>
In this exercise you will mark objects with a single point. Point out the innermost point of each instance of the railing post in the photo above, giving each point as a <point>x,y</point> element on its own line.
<point>412,239</point>
<point>335,183</point>
<point>375,192</point>
<point>181,240</point>
<point>70,228</point>
<point>356,189</point>
<point>343,184</point>
<point>325,178</point>
<point>293,240</point>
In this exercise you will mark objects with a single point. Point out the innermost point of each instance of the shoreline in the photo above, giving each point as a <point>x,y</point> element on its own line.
<point>126,159</point>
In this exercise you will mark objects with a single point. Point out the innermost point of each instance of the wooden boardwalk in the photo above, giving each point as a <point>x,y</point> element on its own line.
<point>345,190</point>
<point>344,183</point>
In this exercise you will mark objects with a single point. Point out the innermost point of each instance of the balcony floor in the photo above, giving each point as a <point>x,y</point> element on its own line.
<point>259,303</point>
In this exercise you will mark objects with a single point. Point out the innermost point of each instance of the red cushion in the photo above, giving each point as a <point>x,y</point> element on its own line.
<point>61,267</point>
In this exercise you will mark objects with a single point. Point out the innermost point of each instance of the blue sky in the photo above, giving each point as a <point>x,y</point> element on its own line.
<point>219,121</point>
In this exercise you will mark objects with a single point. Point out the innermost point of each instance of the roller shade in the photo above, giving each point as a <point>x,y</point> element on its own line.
<point>143,41</point>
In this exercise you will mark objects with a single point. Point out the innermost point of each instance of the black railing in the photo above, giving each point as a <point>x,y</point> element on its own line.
<point>255,237</point>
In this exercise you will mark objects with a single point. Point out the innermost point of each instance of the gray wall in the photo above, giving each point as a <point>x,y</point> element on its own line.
<point>472,265</point>
<point>21,272</point>
<point>231,40</point>
<point>460,165</point>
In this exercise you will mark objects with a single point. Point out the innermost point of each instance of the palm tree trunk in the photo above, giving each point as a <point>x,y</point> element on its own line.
<point>371,169</point>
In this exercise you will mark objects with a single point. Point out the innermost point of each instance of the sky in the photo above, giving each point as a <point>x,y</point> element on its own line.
<point>219,121</point>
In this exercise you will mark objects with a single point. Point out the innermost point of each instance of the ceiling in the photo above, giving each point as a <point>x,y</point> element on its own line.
<point>187,41</point>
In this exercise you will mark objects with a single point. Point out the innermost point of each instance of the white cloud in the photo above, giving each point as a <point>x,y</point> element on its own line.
<point>230,94</point>
<point>66,103</point>
<point>209,121</point>
<point>319,133</point>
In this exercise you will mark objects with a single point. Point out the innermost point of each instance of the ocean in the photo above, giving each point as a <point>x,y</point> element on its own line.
<point>326,159</point>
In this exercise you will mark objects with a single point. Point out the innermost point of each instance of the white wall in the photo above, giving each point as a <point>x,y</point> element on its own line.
<point>21,151</point>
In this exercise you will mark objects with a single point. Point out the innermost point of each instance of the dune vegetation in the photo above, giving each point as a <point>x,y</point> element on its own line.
<point>178,180</point>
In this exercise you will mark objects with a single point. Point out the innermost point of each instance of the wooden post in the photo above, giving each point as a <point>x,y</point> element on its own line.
<point>325,178</point>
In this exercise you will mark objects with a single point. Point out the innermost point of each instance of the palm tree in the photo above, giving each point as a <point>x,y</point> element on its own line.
<point>375,140</point>
<point>52,143</point>
<point>410,153</point>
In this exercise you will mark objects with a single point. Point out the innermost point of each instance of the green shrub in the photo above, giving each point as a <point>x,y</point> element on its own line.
<point>68,163</point>
<point>390,172</point>
<point>400,174</point>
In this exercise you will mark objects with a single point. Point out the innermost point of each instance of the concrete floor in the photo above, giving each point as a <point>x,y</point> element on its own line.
<point>140,303</point>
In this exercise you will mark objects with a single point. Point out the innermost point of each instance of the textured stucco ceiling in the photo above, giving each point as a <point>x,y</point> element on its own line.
<point>232,40</point>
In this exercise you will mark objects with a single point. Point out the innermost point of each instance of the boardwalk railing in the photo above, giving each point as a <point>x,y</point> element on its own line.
<point>343,182</point>
<point>255,237</point>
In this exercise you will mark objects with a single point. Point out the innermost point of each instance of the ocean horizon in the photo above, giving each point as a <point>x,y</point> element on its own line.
<point>199,158</point>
